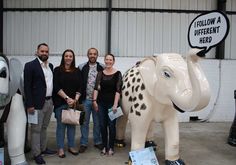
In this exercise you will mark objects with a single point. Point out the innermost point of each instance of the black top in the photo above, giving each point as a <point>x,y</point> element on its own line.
<point>69,82</point>
<point>107,86</point>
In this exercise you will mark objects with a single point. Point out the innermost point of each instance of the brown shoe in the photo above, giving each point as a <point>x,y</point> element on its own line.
<point>82,149</point>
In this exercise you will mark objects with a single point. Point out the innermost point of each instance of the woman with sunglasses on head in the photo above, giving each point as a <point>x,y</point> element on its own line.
<point>67,83</point>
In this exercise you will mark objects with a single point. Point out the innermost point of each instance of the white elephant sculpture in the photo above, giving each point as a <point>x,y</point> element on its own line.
<point>154,90</point>
<point>10,80</point>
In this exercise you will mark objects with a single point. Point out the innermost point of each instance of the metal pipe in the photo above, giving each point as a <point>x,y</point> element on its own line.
<point>1,26</point>
<point>109,15</point>
<point>220,49</point>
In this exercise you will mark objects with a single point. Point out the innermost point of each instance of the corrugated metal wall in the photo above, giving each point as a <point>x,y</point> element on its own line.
<point>142,34</point>
<point>134,33</point>
<point>161,4</point>
<point>23,31</point>
<point>53,3</point>
<point>166,4</point>
<point>230,42</point>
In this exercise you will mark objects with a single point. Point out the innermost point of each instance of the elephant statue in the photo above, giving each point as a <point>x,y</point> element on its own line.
<point>12,110</point>
<point>154,90</point>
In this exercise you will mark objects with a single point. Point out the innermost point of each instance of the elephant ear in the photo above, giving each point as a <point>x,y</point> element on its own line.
<point>147,69</point>
<point>16,70</point>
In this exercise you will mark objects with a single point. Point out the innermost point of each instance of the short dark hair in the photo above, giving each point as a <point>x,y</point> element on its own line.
<point>91,49</point>
<point>42,44</point>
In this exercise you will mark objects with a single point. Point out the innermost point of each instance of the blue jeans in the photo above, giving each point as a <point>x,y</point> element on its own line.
<point>61,129</point>
<point>105,125</point>
<point>85,127</point>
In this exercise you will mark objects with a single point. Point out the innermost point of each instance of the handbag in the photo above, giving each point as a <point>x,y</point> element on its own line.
<point>80,107</point>
<point>70,116</point>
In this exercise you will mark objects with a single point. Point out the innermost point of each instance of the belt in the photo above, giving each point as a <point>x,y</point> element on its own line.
<point>48,97</point>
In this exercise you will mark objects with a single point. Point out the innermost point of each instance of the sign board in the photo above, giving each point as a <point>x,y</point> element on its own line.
<point>208,30</point>
<point>144,156</point>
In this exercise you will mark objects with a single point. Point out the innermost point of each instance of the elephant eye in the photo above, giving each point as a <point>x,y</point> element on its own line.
<point>3,73</point>
<point>166,74</point>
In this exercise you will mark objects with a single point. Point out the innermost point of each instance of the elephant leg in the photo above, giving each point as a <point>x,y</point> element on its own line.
<point>138,132</point>
<point>120,130</point>
<point>171,129</point>
<point>16,123</point>
<point>150,137</point>
<point>150,133</point>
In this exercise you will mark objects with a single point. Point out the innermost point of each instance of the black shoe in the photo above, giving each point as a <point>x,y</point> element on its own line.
<point>39,160</point>
<point>49,152</point>
<point>151,144</point>
<point>73,151</point>
<point>61,153</point>
<point>62,156</point>
<point>82,149</point>
<point>99,146</point>
<point>232,141</point>
<point>103,152</point>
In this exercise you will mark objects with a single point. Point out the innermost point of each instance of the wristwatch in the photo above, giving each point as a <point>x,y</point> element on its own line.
<point>66,97</point>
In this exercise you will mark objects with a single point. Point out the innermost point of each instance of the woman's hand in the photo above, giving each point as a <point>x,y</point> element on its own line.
<point>70,102</point>
<point>114,108</point>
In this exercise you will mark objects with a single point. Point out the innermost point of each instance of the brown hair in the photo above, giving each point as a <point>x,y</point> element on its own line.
<point>109,54</point>
<point>62,65</point>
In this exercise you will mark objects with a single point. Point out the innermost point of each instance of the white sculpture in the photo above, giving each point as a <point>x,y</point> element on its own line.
<point>154,90</point>
<point>10,75</point>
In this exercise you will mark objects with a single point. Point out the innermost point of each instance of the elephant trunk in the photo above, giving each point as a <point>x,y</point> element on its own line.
<point>199,96</point>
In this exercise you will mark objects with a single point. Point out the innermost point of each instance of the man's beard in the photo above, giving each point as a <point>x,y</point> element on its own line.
<point>92,60</point>
<point>43,58</point>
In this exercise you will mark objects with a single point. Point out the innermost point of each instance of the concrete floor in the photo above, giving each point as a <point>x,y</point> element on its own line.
<point>200,144</point>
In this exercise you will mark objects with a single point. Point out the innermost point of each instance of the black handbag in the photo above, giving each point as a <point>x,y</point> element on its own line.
<point>80,107</point>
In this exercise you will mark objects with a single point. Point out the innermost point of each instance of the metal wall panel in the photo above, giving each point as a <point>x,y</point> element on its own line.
<point>159,4</point>
<point>143,34</point>
<point>146,33</point>
<point>54,3</point>
<point>230,47</point>
<point>167,4</point>
<point>230,41</point>
<point>231,5</point>
<point>23,31</point>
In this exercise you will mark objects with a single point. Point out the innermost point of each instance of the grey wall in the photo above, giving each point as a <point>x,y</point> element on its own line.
<point>23,31</point>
